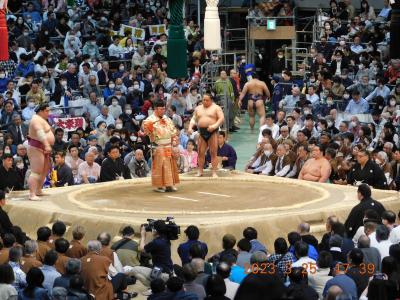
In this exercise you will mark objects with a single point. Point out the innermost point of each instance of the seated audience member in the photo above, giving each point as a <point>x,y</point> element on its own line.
<point>319,278</point>
<point>224,270</point>
<point>89,170</point>
<point>251,234</point>
<point>127,249</point>
<point>15,255</point>
<point>304,230</point>
<point>344,282</point>
<point>113,167</point>
<point>29,259</point>
<point>43,237</point>
<point>49,271</point>
<point>61,246</point>
<point>7,277</point>
<point>72,268</point>
<point>138,165</point>
<point>282,258</point>
<point>293,238</point>
<point>189,276</point>
<point>301,253</point>
<point>35,288</point>
<point>193,234</point>
<point>244,255</point>
<point>5,222</point>
<point>298,287</point>
<point>96,273</point>
<point>76,248</point>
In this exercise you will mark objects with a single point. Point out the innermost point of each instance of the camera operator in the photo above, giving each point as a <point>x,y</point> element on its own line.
<point>160,250</point>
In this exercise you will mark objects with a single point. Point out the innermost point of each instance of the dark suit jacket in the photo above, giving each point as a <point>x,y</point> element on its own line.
<point>343,65</point>
<point>102,77</point>
<point>12,129</point>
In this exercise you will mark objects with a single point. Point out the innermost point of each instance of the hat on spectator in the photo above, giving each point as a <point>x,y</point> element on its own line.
<point>92,137</point>
<point>111,126</point>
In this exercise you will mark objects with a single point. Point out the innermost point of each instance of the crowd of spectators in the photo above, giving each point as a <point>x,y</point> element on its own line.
<point>345,105</point>
<point>345,101</point>
<point>355,259</point>
<point>71,54</point>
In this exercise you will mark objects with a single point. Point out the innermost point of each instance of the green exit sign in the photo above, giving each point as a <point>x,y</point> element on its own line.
<point>271,24</point>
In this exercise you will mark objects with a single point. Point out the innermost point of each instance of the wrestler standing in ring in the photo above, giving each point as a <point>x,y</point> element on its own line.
<point>208,117</point>
<point>40,140</point>
<point>258,92</point>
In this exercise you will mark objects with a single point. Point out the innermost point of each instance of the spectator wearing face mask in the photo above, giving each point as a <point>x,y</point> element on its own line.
<point>109,90</point>
<point>115,109</point>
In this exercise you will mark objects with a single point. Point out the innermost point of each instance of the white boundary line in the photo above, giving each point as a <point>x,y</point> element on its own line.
<point>183,198</point>
<point>212,194</point>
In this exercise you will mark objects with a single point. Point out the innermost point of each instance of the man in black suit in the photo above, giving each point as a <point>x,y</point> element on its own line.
<point>5,223</point>
<point>338,63</point>
<point>355,218</point>
<point>18,130</point>
<point>104,74</point>
<point>10,178</point>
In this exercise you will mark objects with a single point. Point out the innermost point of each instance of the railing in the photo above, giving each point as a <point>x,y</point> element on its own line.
<point>293,55</point>
<point>235,40</point>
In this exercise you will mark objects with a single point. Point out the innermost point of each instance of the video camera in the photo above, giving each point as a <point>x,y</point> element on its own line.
<point>172,231</point>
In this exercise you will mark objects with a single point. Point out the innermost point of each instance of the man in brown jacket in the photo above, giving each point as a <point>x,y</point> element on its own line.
<point>76,248</point>
<point>29,260</point>
<point>96,273</point>
<point>57,231</point>
<point>8,243</point>
<point>62,246</point>
<point>43,235</point>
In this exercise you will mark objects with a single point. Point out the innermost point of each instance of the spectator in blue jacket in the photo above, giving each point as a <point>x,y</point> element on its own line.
<point>26,66</point>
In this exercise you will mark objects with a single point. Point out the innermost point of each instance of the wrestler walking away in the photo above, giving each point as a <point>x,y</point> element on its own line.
<point>40,140</point>
<point>257,92</point>
<point>208,117</point>
<point>162,131</point>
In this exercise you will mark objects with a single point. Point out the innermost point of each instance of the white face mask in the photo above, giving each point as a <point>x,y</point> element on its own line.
<point>46,80</point>
<point>63,83</point>
<point>136,86</point>
<point>346,96</point>
<point>7,151</point>
<point>353,124</point>
<point>133,138</point>
<point>2,75</point>
<point>26,33</point>
<point>342,43</point>
<point>267,153</point>
<point>330,124</point>
<point>31,104</point>
<point>131,89</point>
<point>114,103</point>
<point>20,166</point>
<point>128,111</point>
<point>307,112</point>
<point>111,86</point>
<point>121,68</point>
<point>118,126</point>
<point>280,56</point>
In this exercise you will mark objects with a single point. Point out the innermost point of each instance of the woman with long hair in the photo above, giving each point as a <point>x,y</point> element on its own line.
<point>34,290</point>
